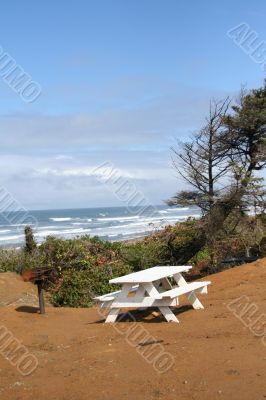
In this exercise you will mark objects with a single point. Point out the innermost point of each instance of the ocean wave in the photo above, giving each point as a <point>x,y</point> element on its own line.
<point>83,221</point>
<point>118,218</point>
<point>4,231</point>
<point>48,227</point>
<point>62,232</point>
<point>106,225</point>
<point>144,222</point>
<point>178,209</point>
<point>79,223</point>
<point>46,233</point>
<point>75,231</point>
<point>61,219</point>
<point>15,225</point>
<point>10,237</point>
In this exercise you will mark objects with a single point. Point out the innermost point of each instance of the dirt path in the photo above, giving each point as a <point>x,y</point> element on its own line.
<point>214,355</point>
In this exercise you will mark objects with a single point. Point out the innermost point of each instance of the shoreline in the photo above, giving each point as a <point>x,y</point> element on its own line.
<point>109,224</point>
<point>126,241</point>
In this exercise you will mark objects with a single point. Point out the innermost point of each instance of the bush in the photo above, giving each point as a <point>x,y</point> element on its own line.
<point>146,254</point>
<point>78,287</point>
<point>10,260</point>
<point>85,265</point>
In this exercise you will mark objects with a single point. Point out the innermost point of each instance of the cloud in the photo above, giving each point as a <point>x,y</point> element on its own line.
<point>63,157</point>
<point>95,171</point>
<point>52,160</point>
<point>42,181</point>
<point>152,119</point>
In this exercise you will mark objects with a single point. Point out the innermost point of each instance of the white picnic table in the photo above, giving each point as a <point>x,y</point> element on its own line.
<point>152,288</point>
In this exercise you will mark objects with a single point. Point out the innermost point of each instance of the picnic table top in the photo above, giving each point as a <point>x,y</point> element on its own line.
<point>151,274</point>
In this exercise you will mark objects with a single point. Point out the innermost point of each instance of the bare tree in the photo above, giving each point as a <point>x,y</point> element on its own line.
<point>238,152</point>
<point>203,162</point>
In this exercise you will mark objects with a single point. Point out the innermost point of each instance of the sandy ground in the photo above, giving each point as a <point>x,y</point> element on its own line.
<point>210,354</point>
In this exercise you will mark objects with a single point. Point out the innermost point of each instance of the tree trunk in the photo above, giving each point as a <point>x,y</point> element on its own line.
<point>209,227</point>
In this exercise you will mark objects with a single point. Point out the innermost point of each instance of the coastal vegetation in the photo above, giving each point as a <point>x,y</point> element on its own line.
<point>220,164</point>
<point>86,264</point>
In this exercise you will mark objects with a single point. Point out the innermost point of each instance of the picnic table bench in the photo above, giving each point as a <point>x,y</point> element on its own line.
<point>152,288</point>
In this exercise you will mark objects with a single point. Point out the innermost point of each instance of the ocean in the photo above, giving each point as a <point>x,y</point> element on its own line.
<point>109,223</point>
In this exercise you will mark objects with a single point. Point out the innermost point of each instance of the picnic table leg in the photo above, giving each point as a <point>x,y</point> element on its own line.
<point>139,295</point>
<point>112,316</point>
<point>196,304</point>
<point>162,284</point>
<point>167,313</point>
<point>166,284</point>
<point>192,298</point>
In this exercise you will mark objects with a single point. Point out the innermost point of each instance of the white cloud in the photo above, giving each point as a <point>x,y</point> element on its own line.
<point>52,160</point>
<point>93,171</point>
<point>63,157</point>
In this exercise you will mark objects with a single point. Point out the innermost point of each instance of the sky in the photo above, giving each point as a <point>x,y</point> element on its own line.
<point>121,81</point>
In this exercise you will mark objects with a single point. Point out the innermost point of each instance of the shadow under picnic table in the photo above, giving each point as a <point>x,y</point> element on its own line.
<point>149,315</point>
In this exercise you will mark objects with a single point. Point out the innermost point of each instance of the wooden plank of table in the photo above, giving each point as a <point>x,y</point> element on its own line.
<point>151,274</point>
<point>180,290</point>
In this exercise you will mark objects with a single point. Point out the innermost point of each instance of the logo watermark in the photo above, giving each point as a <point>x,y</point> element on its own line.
<point>13,212</point>
<point>249,314</point>
<point>17,79</point>
<point>146,345</point>
<point>250,42</point>
<point>16,353</point>
<point>125,190</point>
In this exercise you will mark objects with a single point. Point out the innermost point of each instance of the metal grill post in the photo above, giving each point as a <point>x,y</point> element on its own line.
<point>41,299</point>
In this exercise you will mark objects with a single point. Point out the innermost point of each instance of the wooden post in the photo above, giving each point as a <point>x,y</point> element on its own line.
<point>41,299</point>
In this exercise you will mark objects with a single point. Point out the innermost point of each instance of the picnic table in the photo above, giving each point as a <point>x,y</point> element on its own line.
<point>153,288</point>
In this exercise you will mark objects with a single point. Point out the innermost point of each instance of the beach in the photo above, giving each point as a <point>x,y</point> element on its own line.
<point>216,356</point>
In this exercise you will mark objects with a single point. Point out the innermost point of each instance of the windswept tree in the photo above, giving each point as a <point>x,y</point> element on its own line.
<point>220,164</point>
<point>203,161</point>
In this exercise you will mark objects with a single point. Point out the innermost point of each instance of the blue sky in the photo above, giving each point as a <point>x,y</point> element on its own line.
<point>121,80</point>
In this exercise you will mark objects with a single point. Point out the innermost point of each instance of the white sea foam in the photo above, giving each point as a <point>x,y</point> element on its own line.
<point>17,225</point>
<point>174,209</point>
<point>61,232</point>
<point>41,228</point>
<point>118,218</point>
<point>75,231</point>
<point>9,238</point>
<point>57,219</point>
<point>82,221</point>
<point>47,233</point>
<point>104,225</point>
<point>4,231</point>
<point>79,223</point>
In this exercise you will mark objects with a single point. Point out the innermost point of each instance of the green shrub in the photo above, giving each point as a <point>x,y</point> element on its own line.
<point>78,287</point>
<point>85,265</point>
<point>146,254</point>
<point>10,260</point>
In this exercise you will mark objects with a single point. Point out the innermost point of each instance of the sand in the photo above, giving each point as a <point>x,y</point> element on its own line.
<point>211,353</point>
